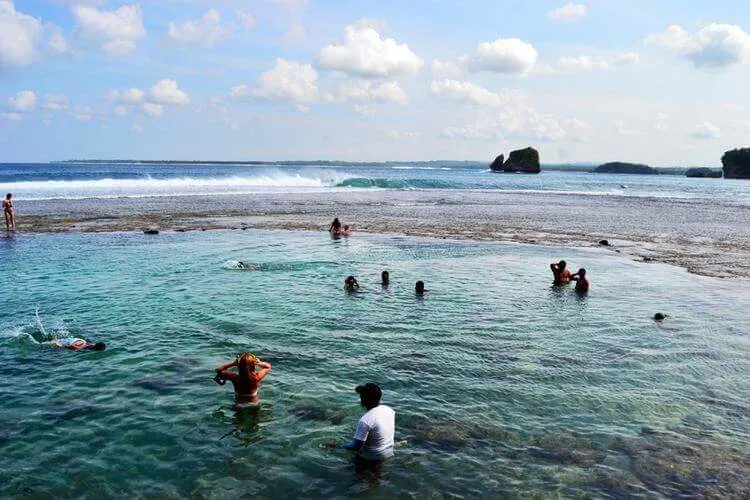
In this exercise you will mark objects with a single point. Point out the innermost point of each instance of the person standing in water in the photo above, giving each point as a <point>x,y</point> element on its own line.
<point>247,379</point>
<point>10,221</point>
<point>419,288</point>
<point>374,438</point>
<point>351,284</point>
<point>335,227</point>
<point>385,278</point>
<point>560,273</point>
<point>582,283</point>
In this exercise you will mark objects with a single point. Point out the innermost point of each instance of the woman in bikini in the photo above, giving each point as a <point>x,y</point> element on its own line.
<point>10,222</point>
<point>246,380</point>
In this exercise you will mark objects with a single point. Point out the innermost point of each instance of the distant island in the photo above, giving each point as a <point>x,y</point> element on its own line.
<point>703,172</point>
<point>736,164</point>
<point>617,167</point>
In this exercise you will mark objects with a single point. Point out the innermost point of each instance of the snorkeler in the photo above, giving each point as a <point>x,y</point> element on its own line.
<point>76,344</point>
<point>351,284</point>
<point>335,227</point>
<point>560,273</point>
<point>10,221</point>
<point>246,380</point>
<point>582,283</point>
<point>373,440</point>
<point>385,278</point>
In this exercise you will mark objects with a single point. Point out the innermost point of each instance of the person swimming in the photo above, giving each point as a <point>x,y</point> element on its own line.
<point>582,283</point>
<point>658,317</point>
<point>351,284</point>
<point>247,379</point>
<point>419,288</point>
<point>75,344</point>
<point>385,278</point>
<point>560,273</point>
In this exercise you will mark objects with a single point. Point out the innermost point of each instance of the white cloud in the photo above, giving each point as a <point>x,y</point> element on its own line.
<point>24,38</point>
<point>248,20</point>
<point>364,53</point>
<point>467,92</point>
<point>287,81</point>
<point>604,63</point>
<point>302,108</point>
<point>83,114</point>
<point>208,30</point>
<point>367,91</point>
<point>445,68</point>
<point>625,59</point>
<point>622,128</point>
<point>706,130</point>
<point>363,110</point>
<point>151,109</point>
<point>13,117</point>
<point>713,46</point>
<point>129,96</point>
<point>116,30</point>
<point>166,91</point>
<point>120,110</point>
<point>23,102</point>
<point>504,55</point>
<point>568,13</point>
<point>137,128</point>
<point>520,122</point>
<point>55,102</point>
<point>402,135</point>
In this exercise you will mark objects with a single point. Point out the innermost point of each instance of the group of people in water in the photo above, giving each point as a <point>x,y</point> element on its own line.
<point>10,221</point>
<point>352,285</point>
<point>562,276</point>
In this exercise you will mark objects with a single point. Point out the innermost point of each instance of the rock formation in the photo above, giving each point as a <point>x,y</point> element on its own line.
<point>703,172</point>
<point>521,160</point>
<point>736,164</point>
<point>617,167</point>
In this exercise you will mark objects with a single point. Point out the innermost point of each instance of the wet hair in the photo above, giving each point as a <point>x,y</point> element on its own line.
<point>346,228</point>
<point>385,277</point>
<point>99,346</point>
<point>581,272</point>
<point>419,286</point>
<point>8,196</point>
<point>336,223</point>
<point>246,365</point>
<point>562,264</point>
<point>350,282</point>
<point>659,317</point>
<point>370,394</point>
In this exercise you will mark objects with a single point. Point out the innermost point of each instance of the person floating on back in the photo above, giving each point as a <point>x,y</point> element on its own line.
<point>351,284</point>
<point>246,380</point>
<point>582,283</point>
<point>385,278</point>
<point>10,221</point>
<point>373,439</point>
<point>75,344</point>
<point>560,273</point>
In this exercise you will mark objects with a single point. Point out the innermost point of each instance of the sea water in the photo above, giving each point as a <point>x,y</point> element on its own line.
<point>501,383</point>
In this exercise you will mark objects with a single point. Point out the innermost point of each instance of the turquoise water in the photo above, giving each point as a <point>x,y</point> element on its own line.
<point>501,384</point>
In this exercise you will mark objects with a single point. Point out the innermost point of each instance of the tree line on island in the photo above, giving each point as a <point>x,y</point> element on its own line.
<point>735,165</point>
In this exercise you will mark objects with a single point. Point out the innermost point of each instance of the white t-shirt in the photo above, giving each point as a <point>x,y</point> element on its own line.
<point>376,428</point>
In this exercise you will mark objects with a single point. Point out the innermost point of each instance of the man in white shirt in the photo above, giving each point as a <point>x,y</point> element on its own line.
<point>373,439</point>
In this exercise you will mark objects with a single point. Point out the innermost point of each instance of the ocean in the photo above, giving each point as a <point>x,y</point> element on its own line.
<point>503,385</point>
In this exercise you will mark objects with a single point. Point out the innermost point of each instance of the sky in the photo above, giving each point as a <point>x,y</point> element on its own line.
<point>663,83</point>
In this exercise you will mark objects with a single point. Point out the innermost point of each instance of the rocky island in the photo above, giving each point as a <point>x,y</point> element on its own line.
<point>618,167</point>
<point>736,164</point>
<point>521,160</point>
<point>703,172</point>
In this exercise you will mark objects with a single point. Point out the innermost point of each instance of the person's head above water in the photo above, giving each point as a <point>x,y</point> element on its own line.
<point>419,287</point>
<point>8,196</point>
<point>246,361</point>
<point>99,346</point>
<point>561,265</point>
<point>659,317</point>
<point>369,395</point>
<point>581,272</point>
<point>351,283</point>
<point>385,278</point>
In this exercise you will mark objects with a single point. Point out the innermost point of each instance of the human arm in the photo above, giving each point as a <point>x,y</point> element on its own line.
<point>265,368</point>
<point>360,437</point>
<point>353,444</point>
<point>226,366</point>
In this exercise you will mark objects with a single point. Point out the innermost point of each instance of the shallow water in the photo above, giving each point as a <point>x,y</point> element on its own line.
<point>501,383</point>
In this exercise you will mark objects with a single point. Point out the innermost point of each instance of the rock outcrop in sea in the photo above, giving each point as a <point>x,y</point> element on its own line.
<point>618,167</point>
<point>703,172</point>
<point>521,160</point>
<point>736,164</point>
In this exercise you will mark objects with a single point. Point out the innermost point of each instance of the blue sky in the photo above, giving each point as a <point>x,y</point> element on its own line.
<point>658,82</point>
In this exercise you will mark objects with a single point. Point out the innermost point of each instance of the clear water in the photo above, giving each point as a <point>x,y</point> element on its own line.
<point>501,384</point>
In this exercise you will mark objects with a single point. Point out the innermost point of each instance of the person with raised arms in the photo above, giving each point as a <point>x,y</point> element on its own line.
<point>247,379</point>
<point>560,273</point>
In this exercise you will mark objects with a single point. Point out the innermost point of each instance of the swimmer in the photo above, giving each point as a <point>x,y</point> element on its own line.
<point>385,278</point>
<point>419,288</point>
<point>346,231</point>
<point>335,227</point>
<point>246,380</point>
<point>351,284</point>
<point>10,221</point>
<point>251,267</point>
<point>659,317</point>
<point>582,283</point>
<point>374,438</point>
<point>75,344</point>
<point>560,273</point>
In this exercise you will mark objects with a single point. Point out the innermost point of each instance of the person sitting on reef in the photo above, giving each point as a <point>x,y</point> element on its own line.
<point>374,438</point>
<point>582,283</point>
<point>419,288</point>
<point>247,379</point>
<point>560,273</point>
<point>385,278</point>
<point>351,284</point>
<point>335,227</point>
<point>76,344</point>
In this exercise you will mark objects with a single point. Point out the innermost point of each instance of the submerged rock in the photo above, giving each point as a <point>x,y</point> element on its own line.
<point>521,160</point>
<point>618,167</point>
<point>736,164</point>
<point>151,231</point>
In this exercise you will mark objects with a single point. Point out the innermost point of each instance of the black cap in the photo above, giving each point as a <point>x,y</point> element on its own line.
<point>370,391</point>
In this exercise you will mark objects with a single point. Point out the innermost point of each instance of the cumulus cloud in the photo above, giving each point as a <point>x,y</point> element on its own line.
<point>116,30</point>
<point>467,92</point>
<point>120,110</point>
<point>568,13</point>
<point>367,91</point>
<point>622,128</point>
<point>166,91</point>
<point>247,20</point>
<point>208,30</point>
<point>287,81</point>
<point>24,38</point>
<point>55,102</point>
<point>504,55</point>
<point>585,62</point>
<point>445,68</point>
<point>83,114</point>
<point>706,130</point>
<point>402,135</point>
<point>364,53</point>
<point>13,117</point>
<point>712,46</point>
<point>151,109</point>
<point>129,96</point>
<point>364,110</point>
<point>23,102</point>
